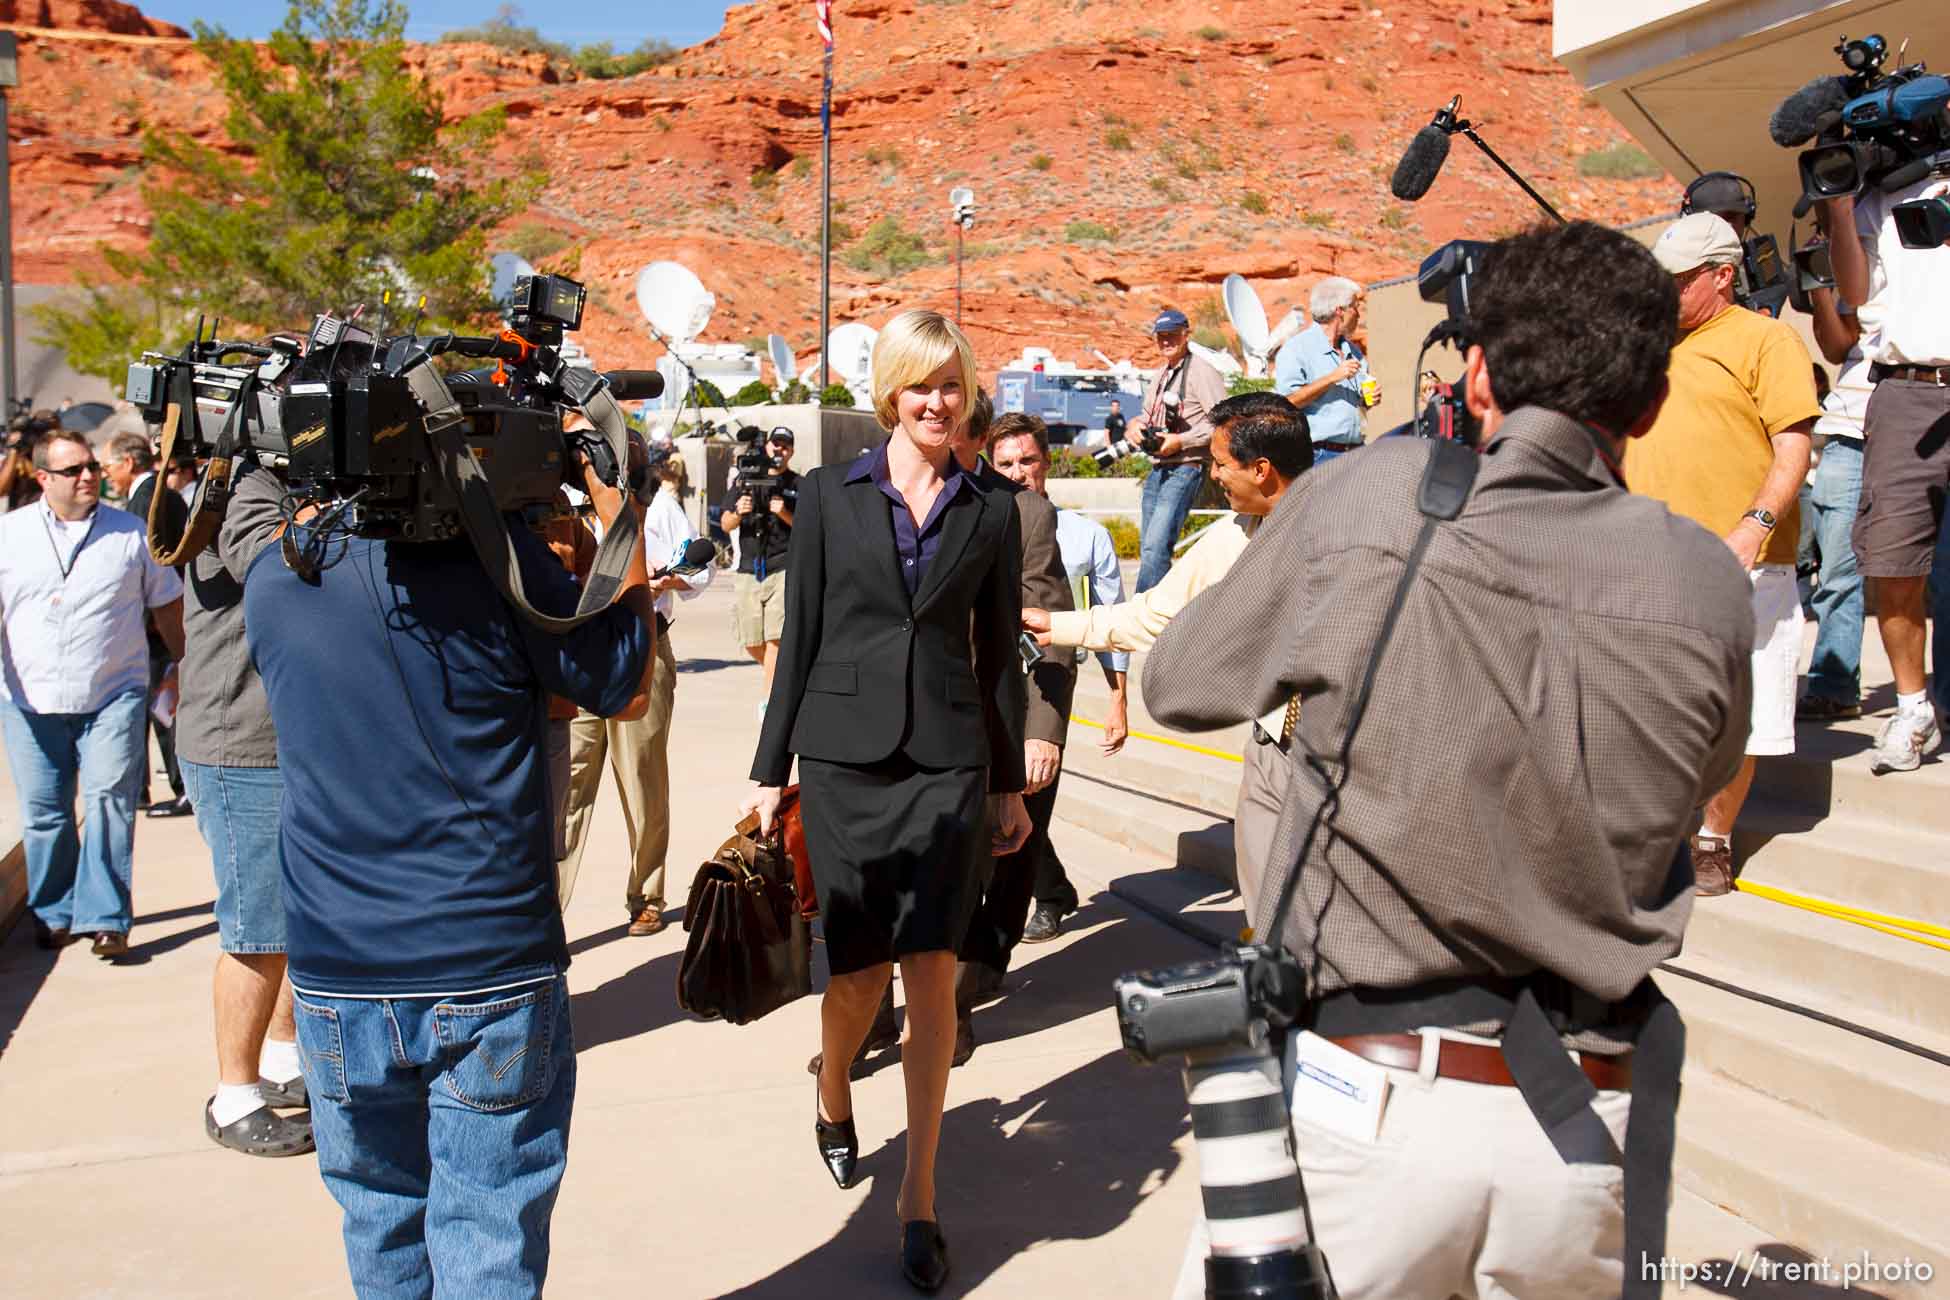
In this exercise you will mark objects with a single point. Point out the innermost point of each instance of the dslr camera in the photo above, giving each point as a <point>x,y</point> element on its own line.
<point>1887,129</point>
<point>343,411</point>
<point>1224,1017</point>
<point>1144,439</point>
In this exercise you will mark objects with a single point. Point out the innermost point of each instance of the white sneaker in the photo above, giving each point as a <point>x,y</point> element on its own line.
<point>1902,743</point>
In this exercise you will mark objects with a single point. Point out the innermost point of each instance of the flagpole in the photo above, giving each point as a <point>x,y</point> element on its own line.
<point>825,211</point>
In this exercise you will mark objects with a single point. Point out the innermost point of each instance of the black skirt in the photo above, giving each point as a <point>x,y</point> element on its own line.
<point>900,856</point>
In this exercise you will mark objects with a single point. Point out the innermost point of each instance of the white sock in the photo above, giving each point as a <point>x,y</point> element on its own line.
<point>1916,706</point>
<point>234,1101</point>
<point>1712,838</point>
<point>277,1060</point>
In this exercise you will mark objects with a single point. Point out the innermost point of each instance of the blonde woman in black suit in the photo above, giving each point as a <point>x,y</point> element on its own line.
<point>899,688</point>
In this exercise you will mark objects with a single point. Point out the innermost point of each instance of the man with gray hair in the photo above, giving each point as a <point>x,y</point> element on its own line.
<point>1321,371</point>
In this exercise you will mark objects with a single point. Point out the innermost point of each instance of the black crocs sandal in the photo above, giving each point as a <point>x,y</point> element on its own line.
<point>285,1096</point>
<point>263,1132</point>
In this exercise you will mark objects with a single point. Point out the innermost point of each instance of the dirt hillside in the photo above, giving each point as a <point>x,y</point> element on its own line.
<point>1123,154</point>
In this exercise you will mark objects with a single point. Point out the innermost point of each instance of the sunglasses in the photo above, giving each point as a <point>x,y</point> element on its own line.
<point>76,471</point>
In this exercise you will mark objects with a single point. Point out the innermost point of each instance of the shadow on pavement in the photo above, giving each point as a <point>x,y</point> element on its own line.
<point>1777,1271</point>
<point>712,665</point>
<point>23,969</point>
<point>1069,1161</point>
<point>641,1000</point>
<point>142,953</point>
<point>177,914</point>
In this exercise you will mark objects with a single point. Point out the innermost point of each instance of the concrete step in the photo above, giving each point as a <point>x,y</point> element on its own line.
<point>1897,870</point>
<point>1838,967</point>
<point>1880,1093</point>
<point>1814,1185</point>
<point>1198,780</point>
<point>1163,832</point>
<point>1828,776</point>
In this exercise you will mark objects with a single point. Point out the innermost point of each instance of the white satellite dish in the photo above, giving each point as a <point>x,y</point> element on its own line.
<point>674,301</point>
<point>1290,324</point>
<point>784,367</point>
<point>1248,319</point>
<point>849,350</point>
<point>503,270</point>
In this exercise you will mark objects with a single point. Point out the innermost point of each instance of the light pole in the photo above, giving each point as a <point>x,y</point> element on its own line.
<point>9,78</point>
<point>961,210</point>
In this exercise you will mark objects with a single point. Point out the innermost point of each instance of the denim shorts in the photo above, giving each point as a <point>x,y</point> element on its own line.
<point>237,812</point>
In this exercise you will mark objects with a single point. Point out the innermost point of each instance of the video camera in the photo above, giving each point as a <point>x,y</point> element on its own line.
<point>1872,127</point>
<point>1445,277</point>
<point>344,412</point>
<point>1761,282</point>
<point>752,476</point>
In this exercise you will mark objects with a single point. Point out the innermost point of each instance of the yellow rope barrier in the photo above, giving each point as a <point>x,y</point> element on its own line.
<point>1922,932</point>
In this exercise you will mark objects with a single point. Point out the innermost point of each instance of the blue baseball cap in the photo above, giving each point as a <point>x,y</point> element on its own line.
<point>1169,320</point>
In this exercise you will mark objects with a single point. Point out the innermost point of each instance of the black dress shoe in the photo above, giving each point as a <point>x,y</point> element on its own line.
<point>839,1145</point>
<point>178,807</point>
<point>110,944</point>
<point>49,937</point>
<point>1046,924</point>
<point>924,1255</point>
<point>263,1132</point>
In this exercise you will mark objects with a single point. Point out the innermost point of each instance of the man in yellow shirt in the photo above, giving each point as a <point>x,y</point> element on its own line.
<point>1729,451</point>
<point>1260,446</point>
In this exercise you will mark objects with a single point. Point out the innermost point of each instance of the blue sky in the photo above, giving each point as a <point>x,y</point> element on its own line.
<point>574,22</point>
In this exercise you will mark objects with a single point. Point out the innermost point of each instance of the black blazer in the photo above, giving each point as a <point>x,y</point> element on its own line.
<point>863,672</point>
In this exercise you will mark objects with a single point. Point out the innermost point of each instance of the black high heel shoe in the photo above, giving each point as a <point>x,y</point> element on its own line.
<point>839,1145</point>
<point>924,1255</point>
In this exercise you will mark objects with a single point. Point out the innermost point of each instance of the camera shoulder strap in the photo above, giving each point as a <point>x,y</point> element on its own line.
<point>213,488</point>
<point>467,480</point>
<point>1445,487</point>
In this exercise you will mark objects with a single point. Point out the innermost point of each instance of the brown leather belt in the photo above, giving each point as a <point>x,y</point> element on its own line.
<point>1476,1062</point>
<point>1938,375</point>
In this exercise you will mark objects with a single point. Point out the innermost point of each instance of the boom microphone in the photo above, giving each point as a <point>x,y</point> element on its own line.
<point>634,385</point>
<point>1420,162</point>
<point>1807,112</point>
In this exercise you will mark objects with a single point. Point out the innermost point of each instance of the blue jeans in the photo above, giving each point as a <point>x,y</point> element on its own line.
<point>443,1131</point>
<point>237,814</point>
<point>79,880</point>
<point>1835,672</point>
<point>1165,504</point>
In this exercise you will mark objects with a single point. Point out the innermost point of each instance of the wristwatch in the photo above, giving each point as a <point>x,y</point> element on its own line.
<point>1765,518</point>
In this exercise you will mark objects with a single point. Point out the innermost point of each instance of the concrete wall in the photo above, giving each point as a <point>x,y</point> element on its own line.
<point>1113,495</point>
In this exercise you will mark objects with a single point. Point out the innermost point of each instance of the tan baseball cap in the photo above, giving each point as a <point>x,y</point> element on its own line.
<point>1695,241</point>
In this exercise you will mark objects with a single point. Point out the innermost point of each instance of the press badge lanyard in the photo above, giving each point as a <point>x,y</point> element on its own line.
<point>67,566</point>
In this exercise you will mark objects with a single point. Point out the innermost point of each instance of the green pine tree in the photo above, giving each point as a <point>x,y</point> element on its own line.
<point>342,183</point>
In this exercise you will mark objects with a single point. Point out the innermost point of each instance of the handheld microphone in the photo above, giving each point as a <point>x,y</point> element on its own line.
<point>700,552</point>
<point>1808,112</point>
<point>634,385</point>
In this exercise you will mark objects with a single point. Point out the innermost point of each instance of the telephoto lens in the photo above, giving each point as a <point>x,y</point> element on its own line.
<point>1261,1247</point>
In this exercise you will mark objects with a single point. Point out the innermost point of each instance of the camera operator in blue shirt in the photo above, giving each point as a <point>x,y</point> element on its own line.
<point>426,950</point>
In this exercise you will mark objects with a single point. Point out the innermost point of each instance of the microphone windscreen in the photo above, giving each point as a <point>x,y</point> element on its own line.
<point>1420,162</point>
<point>1801,116</point>
<point>699,553</point>
<point>634,385</point>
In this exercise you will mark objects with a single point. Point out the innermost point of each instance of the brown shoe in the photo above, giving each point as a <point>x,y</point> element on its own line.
<point>647,921</point>
<point>1712,867</point>
<point>110,944</point>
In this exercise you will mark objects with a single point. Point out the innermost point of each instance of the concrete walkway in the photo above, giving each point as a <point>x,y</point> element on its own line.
<point>1066,1167</point>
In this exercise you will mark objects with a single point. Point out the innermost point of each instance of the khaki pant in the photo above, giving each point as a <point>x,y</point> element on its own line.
<point>639,754</point>
<point>1462,1195</point>
<point>1262,787</point>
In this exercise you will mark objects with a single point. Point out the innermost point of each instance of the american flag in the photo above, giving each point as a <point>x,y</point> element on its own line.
<point>823,11</point>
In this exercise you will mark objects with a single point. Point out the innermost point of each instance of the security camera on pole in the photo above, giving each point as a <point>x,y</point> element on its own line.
<point>961,210</point>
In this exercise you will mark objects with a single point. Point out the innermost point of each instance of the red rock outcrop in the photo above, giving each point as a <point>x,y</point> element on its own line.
<point>1123,154</point>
